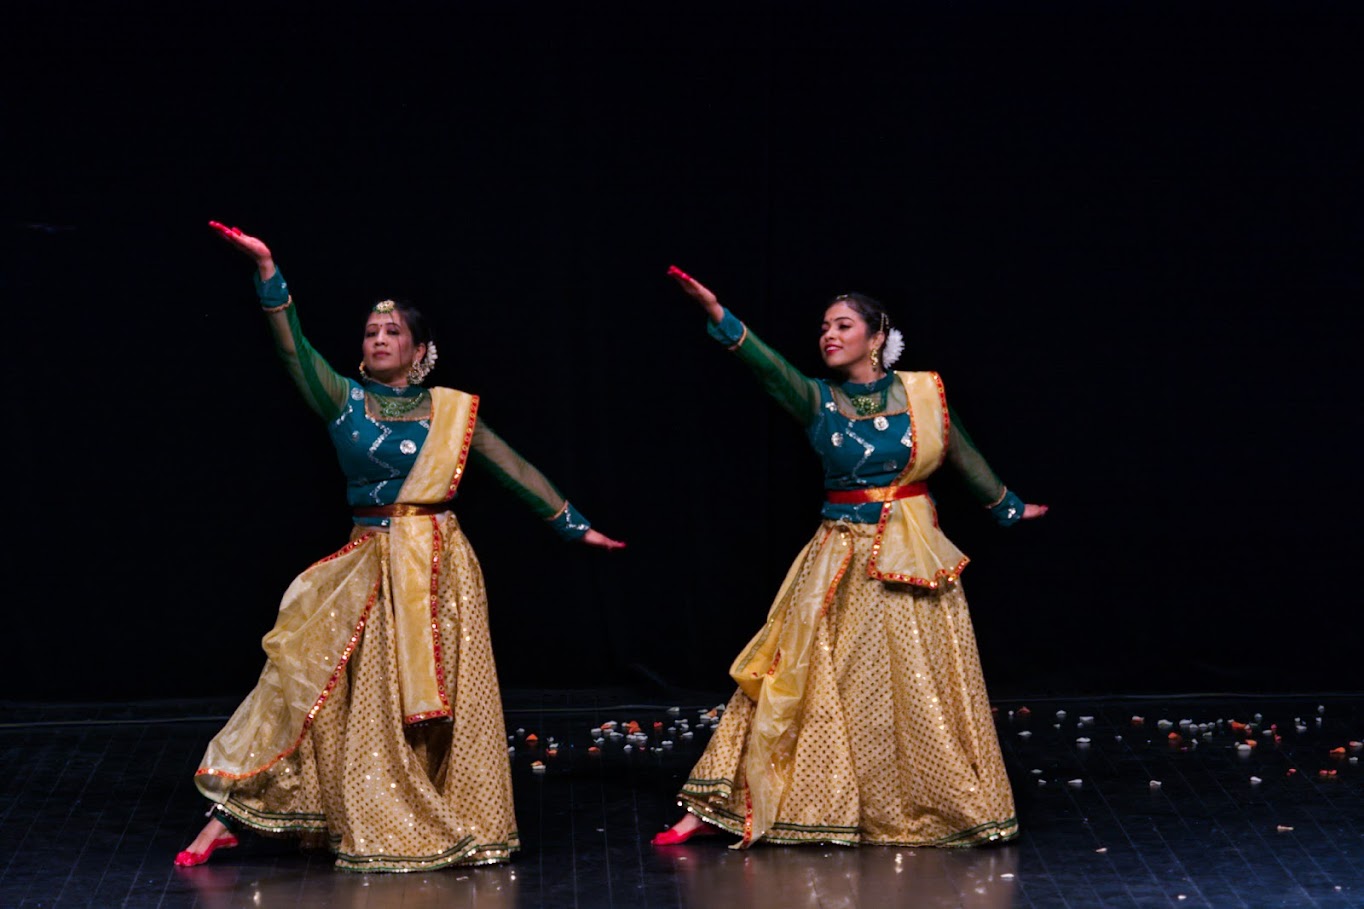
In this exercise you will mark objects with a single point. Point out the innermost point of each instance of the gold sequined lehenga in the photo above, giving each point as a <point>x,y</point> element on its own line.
<point>376,727</point>
<point>861,715</point>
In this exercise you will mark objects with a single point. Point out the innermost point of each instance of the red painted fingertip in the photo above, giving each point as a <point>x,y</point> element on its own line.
<point>678,273</point>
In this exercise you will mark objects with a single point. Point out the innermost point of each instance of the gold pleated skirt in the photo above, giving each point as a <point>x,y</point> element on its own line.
<point>382,795</point>
<point>893,742</point>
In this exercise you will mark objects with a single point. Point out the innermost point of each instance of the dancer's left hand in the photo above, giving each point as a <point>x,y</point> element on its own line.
<point>600,540</point>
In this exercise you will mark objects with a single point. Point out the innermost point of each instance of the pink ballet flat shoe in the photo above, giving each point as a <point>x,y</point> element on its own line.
<point>671,837</point>
<point>187,859</point>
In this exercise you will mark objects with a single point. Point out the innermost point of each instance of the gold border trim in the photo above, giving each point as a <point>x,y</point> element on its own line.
<point>832,592</point>
<point>280,308</point>
<point>946,421</point>
<point>464,448</point>
<point>438,651</point>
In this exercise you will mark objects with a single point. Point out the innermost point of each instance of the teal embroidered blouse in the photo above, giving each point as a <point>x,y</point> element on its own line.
<point>856,452</point>
<point>376,453</point>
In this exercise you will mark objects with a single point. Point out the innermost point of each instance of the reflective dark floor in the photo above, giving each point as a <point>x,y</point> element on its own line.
<point>1124,802</point>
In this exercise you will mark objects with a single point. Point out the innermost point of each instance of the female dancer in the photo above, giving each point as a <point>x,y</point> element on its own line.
<point>861,714</point>
<point>376,724</point>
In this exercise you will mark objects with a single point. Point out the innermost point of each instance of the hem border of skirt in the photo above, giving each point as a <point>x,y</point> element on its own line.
<point>468,852</point>
<point>796,835</point>
<point>484,854</point>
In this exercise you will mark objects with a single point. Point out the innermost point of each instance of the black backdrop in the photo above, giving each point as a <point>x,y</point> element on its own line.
<point>1128,236</point>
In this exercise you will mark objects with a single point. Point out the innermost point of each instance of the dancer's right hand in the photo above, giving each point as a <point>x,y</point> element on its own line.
<point>698,292</point>
<point>247,245</point>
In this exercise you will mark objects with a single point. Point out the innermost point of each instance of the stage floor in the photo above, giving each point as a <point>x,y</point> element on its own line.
<point>96,799</point>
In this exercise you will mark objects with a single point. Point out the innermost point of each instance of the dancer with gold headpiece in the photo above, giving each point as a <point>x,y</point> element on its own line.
<point>376,725</point>
<point>861,714</point>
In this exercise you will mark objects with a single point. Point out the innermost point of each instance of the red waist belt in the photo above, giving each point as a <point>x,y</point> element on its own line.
<point>874,494</point>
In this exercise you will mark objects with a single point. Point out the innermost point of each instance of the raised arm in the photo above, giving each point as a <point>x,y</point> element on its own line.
<point>982,483</point>
<point>322,387</point>
<point>797,394</point>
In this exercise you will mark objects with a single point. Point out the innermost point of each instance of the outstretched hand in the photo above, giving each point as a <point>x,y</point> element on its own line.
<point>1033,511</point>
<point>249,246</point>
<point>698,292</point>
<point>600,540</point>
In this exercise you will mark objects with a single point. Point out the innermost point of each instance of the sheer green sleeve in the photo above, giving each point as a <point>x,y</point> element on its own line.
<point>322,387</point>
<point>797,393</point>
<point>981,482</point>
<point>530,486</point>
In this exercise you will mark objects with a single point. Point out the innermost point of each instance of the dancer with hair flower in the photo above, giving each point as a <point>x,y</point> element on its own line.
<point>376,726</point>
<point>861,714</point>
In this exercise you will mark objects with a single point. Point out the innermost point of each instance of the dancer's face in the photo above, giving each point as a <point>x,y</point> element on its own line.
<point>843,338</point>
<point>388,352</point>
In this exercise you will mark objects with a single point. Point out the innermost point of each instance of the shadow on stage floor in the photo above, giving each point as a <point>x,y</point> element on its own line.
<point>1124,802</point>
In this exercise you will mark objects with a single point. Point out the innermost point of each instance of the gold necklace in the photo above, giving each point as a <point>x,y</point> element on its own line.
<point>399,406</point>
<point>866,405</point>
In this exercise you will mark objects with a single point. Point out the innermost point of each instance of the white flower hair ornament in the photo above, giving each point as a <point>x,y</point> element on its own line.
<point>895,345</point>
<point>422,368</point>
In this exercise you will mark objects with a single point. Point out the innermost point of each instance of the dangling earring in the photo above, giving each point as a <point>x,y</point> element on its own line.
<point>875,357</point>
<point>364,375</point>
<point>422,368</point>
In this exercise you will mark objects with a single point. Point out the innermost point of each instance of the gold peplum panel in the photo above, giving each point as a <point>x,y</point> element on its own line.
<point>910,549</point>
<point>861,717</point>
<point>383,794</point>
